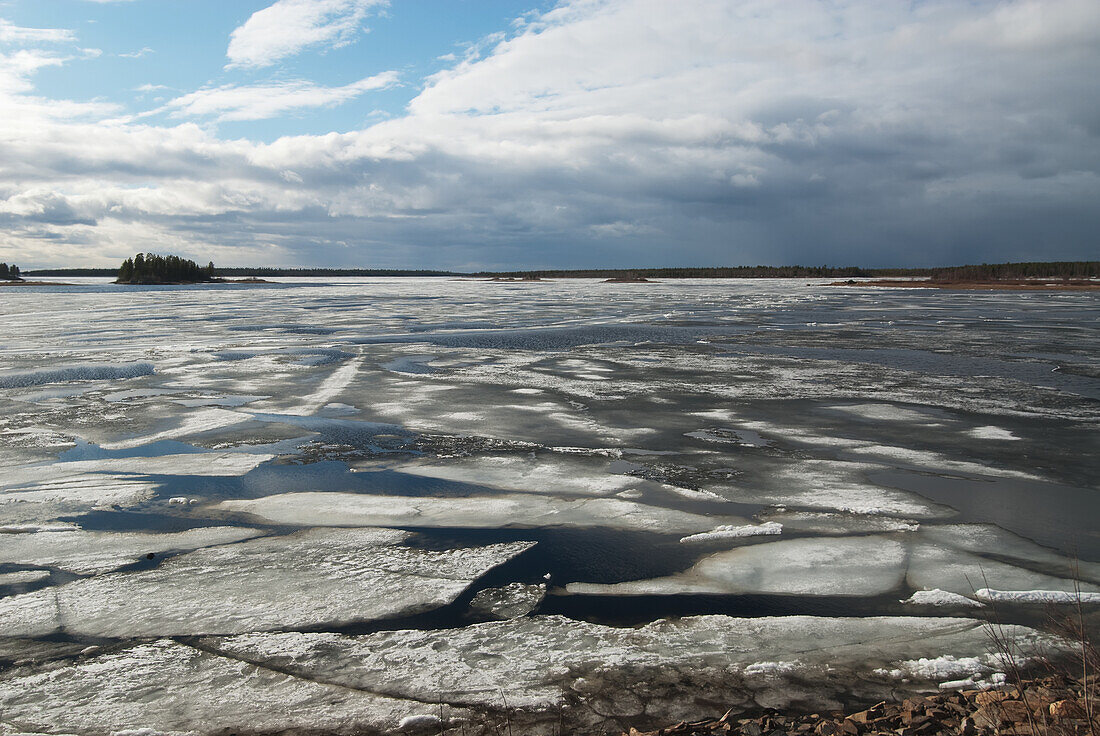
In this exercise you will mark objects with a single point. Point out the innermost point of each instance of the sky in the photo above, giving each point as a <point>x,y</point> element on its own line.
<point>519,134</point>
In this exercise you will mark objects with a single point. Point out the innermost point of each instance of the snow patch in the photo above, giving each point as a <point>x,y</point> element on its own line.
<point>992,433</point>
<point>937,597</point>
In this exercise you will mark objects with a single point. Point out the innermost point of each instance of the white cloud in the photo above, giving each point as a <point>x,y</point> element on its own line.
<point>145,51</point>
<point>262,101</point>
<point>289,26</point>
<point>612,132</point>
<point>17,68</point>
<point>11,33</point>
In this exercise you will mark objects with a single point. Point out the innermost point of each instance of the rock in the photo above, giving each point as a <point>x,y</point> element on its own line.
<point>1064,709</point>
<point>990,696</point>
<point>1006,712</point>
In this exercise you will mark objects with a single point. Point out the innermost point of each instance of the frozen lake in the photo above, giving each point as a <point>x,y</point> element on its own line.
<point>362,503</point>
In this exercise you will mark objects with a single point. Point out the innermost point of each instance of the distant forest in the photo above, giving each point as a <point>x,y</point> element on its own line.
<point>983,272</point>
<point>9,273</point>
<point>1031,270</point>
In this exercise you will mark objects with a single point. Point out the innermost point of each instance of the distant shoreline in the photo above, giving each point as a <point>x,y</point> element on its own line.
<point>1000,273</point>
<point>994,285</point>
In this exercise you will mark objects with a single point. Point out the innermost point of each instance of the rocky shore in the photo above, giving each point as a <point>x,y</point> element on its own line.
<point>1050,706</point>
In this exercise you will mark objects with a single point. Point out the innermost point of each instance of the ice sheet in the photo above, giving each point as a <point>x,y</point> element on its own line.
<point>531,662</point>
<point>200,464</point>
<point>90,553</point>
<point>546,474</point>
<point>1036,596</point>
<point>734,532</point>
<point>856,566</point>
<point>193,423</point>
<point>940,598</point>
<point>170,689</point>
<point>852,566</point>
<point>476,512</point>
<point>831,486</point>
<point>510,601</point>
<point>322,577</point>
<point>23,577</point>
<point>74,372</point>
<point>958,571</point>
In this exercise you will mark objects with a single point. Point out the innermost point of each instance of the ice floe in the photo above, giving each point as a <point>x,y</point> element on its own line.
<point>658,670</point>
<point>830,485</point>
<point>193,423</point>
<point>510,601</point>
<point>727,436</point>
<point>958,571</point>
<point>75,372</point>
<point>201,464</point>
<point>552,475</point>
<point>992,433</point>
<point>735,532</point>
<point>328,577</point>
<point>884,413</point>
<point>23,577</point>
<point>477,512</point>
<point>826,523</point>
<point>93,490</point>
<point>855,566</point>
<point>940,598</point>
<point>1036,596</point>
<point>171,689</point>
<point>93,552</point>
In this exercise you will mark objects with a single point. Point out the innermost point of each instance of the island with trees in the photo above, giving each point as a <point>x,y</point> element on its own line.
<point>155,269</point>
<point>10,273</point>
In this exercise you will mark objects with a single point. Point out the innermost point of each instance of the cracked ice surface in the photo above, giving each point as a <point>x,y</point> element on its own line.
<point>858,566</point>
<point>88,553</point>
<point>551,475</point>
<point>512,601</point>
<point>646,673</point>
<point>169,688</point>
<point>318,577</point>
<point>929,558</point>
<point>892,435</point>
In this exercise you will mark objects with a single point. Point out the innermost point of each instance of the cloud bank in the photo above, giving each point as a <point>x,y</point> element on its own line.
<point>605,133</point>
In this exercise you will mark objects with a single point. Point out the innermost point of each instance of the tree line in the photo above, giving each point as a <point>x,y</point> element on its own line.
<point>982,272</point>
<point>9,273</point>
<point>1024,270</point>
<point>722,272</point>
<point>156,269</point>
